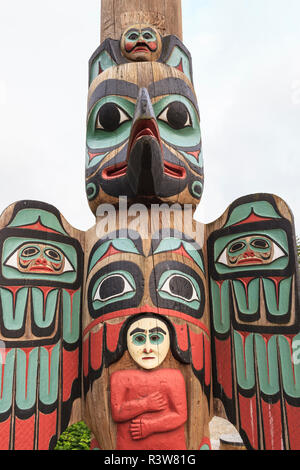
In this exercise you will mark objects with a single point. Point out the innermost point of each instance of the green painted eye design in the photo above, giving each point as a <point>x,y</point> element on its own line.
<point>110,117</point>
<point>139,339</point>
<point>178,121</point>
<point>115,286</point>
<point>111,114</point>
<point>156,338</point>
<point>147,35</point>
<point>133,36</point>
<point>176,115</point>
<point>181,287</point>
<point>53,255</point>
<point>29,252</point>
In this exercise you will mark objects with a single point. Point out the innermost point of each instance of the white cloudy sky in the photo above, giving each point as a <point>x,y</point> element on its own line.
<point>247,77</point>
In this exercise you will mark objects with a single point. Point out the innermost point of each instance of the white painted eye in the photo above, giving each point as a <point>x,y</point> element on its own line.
<point>181,287</point>
<point>176,115</point>
<point>278,252</point>
<point>110,117</point>
<point>111,287</point>
<point>68,268</point>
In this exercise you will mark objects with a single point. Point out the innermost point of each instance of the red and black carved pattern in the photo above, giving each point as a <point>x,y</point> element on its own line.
<point>39,424</point>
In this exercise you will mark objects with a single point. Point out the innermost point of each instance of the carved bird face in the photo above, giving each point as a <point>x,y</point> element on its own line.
<point>143,136</point>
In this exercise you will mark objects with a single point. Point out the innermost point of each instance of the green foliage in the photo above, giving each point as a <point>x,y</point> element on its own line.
<point>76,437</point>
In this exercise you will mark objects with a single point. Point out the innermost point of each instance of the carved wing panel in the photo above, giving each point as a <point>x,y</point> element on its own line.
<point>40,324</point>
<point>255,320</point>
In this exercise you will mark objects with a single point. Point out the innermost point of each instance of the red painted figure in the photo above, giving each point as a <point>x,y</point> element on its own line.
<point>150,409</point>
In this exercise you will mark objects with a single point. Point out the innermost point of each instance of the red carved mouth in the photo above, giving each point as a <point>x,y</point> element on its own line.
<point>250,261</point>
<point>115,171</point>
<point>41,268</point>
<point>140,49</point>
<point>147,358</point>
<point>144,127</point>
<point>175,171</point>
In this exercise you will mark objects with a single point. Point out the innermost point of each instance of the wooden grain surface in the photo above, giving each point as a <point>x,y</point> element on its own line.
<point>117,15</point>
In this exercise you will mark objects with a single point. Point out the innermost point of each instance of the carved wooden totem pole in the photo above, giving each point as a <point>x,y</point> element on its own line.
<point>137,325</point>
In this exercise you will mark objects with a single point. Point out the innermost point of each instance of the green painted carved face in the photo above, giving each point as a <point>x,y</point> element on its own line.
<point>250,251</point>
<point>143,136</point>
<point>41,258</point>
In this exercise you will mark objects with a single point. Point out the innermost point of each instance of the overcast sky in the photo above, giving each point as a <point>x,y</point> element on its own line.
<point>246,56</point>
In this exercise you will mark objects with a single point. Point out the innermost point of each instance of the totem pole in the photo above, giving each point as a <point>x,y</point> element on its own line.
<point>140,323</point>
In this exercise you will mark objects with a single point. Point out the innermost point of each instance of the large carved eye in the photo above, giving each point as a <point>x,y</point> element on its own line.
<point>113,286</point>
<point>147,35</point>
<point>260,244</point>
<point>176,115</point>
<point>30,251</point>
<point>180,286</point>
<point>110,117</point>
<point>53,255</point>
<point>133,36</point>
<point>139,339</point>
<point>237,246</point>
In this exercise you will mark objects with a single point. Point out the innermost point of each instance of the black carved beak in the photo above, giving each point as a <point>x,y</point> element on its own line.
<point>145,154</point>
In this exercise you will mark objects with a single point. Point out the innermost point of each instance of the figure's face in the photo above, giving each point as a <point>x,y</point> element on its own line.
<point>143,136</point>
<point>40,258</point>
<point>141,43</point>
<point>250,250</point>
<point>148,342</point>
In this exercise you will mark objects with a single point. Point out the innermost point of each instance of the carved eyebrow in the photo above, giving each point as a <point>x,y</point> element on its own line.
<point>157,330</point>
<point>172,86</point>
<point>137,330</point>
<point>148,29</point>
<point>115,87</point>
<point>133,30</point>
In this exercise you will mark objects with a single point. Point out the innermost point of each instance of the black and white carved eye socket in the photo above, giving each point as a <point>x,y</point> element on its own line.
<point>29,252</point>
<point>236,247</point>
<point>53,255</point>
<point>110,117</point>
<point>176,115</point>
<point>181,287</point>
<point>112,286</point>
<point>133,36</point>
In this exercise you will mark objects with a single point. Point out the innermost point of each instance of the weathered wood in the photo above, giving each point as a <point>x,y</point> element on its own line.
<point>117,15</point>
<point>108,328</point>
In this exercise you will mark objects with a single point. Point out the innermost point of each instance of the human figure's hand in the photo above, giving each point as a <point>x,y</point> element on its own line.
<point>156,402</point>
<point>136,429</point>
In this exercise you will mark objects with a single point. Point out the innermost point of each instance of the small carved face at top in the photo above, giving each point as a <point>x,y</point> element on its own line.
<point>148,342</point>
<point>141,44</point>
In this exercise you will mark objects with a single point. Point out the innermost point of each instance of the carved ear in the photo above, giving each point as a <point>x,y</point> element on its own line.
<point>177,55</point>
<point>105,56</point>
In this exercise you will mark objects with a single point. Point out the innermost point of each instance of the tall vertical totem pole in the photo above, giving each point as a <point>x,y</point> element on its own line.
<point>140,323</point>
